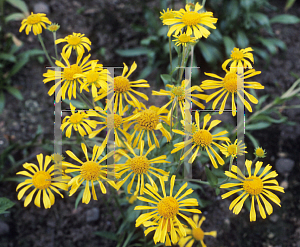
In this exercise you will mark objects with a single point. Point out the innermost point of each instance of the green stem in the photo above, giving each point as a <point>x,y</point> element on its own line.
<point>83,98</point>
<point>110,212</point>
<point>55,46</point>
<point>230,165</point>
<point>180,162</point>
<point>194,180</point>
<point>182,64</point>
<point>118,204</point>
<point>170,51</point>
<point>45,51</point>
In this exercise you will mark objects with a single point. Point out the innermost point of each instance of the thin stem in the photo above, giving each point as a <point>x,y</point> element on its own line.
<point>182,64</point>
<point>193,180</point>
<point>118,204</point>
<point>110,212</point>
<point>44,49</point>
<point>84,99</point>
<point>55,46</point>
<point>180,162</point>
<point>230,165</point>
<point>170,51</point>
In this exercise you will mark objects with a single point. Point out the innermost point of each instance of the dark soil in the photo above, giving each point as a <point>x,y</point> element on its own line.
<point>106,23</point>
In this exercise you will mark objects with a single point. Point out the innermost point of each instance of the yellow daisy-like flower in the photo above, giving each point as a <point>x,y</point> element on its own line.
<point>53,27</point>
<point>232,84</point>
<point>43,180</point>
<point>255,186</point>
<point>139,166</point>
<point>132,199</point>
<point>238,57</point>
<point>169,14</point>
<point>90,171</point>
<point>76,41</point>
<point>259,152</point>
<point>78,120</point>
<point>112,124</point>
<point>124,87</point>
<point>237,148</point>
<point>179,93</point>
<point>192,21</point>
<point>149,120</point>
<point>196,234</point>
<point>166,209</point>
<point>36,22</point>
<point>202,138</point>
<point>68,76</point>
<point>183,39</point>
<point>95,78</point>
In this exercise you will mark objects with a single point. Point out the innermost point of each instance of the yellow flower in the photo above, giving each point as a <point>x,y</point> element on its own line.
<point>68,76</point>
<point>149,120</point>
<point>132,199</point>
<point>202,138</point>
<point>166,209</point>
<point>179,93</point>
<point>196,234</point>
<point>95,78</point>
<point>141,166</point>
<point>75,41</point>
<point>112,124</point>
<point>42,179</point>
<point>78,120</point>
<point>36,22</point>
<point>192,21</point>
<point>124,87</point>
<point>53,27</point>
<point>232,84</point>
<point>238,57</point>
<point>260,153</point>
<point>183,39</point>
<point>255,186</point>
<point>169,14</point>
<point>90,171</point>
<point>237,148</point>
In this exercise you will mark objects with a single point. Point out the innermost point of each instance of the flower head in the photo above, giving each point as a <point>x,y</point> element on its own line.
<point>183,39</point>
<point>42,179</point>
<point>36,22</point>
<point>196,234</point>
<point>260,153</point>
<point>165,210</point>
<point>141,167</point>
<point>237,148</point>
<point>202,139</point>
<point>91,171</point>
<point>76,41</point>
<point>53,27</point>
<point>238,57</point>
<point>191,20</point>
<point>232,84</point>
<point>256,185</point>
<point>169,14</point>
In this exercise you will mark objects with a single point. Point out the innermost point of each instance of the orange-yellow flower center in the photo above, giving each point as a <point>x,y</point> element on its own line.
<point>73,40</point>
<point>76,118</point>
<point>167,15</point>
<point>53,27</point>
<point>41,180</point>
<point>253,185</point>
<point>168,207</point>
<point>183,38</point>
<point>139,164</point>
<point>202,138</point>
<point>92,77</point>
<point>237,55</point>
<point>121,84</point>
<point>148,119</point>
<point>179,92</point>
<point>198,233</point>
<point>231,82</point>
<point>70,72</point>
<point>191,18</point>
<point>90,170</point>
<point>259,152</point>
<point>33,19</point>
<point>114,122</point>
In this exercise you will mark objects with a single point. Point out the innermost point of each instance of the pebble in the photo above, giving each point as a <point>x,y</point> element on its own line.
<point>284,165</point>
<point>41,7</point>
<point>271,235</point>
<point>92,214</point>
<point>4,228</point>
<point>284,184</point>
<point>274,218</point>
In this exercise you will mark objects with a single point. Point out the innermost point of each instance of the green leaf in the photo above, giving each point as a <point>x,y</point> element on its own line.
<point>217,191</point>
<point>18,65</point>
<point>229,45</point>
<point>166,78</point>
<point>138,51</point>
<point>241,39</point>
<point>79,197</point>
<point>252,139</point>
<point>19,4</point>
<point>8,57</point>
<point>211,178</point>
<point>257,126</point>
<point>5,204</point>
<point>32,52</point>
<point>272,44</point>
<point>289,4</point>
<point>262,19</point>
<point>78,104</point>
<point>15,92</point>
<point>15,17</point>
<point>285,19</point>
<point>2,101</point>
<point>210,53</point>
<point>107,235</point>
